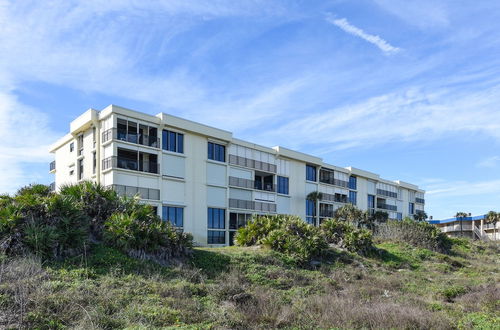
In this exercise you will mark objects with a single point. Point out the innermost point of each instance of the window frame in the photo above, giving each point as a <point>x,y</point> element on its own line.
<point>216,152</point>
<point>165,215</point>
<point>309,171</point>
<point>172,141</point>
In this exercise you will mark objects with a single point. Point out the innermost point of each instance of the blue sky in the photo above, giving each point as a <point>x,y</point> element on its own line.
<point>406,89</point>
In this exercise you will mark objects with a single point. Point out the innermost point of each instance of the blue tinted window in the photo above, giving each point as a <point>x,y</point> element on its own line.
<point>172,141</point>
<point>173,214</point>
<point>180,143</point>
<point>310,211</point>
<point>371,201</point>
<point>353,182</point>
<point>411,209</point>
<point>216,218</point>
<point>216,237</point>
<point>282,185</point>
<point>353,196</point>
<point>310,173</point>
<point>216,152</point>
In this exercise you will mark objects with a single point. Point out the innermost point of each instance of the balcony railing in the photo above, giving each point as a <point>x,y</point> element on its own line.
<point>336,182</point>
<point>420,200</point>
<point>240,182</point>
<point>52,186</point>
<point>387,193</point>
<point>255,164</point>
<point>128,164</point>
<point>387,207</point>
<point>52,166</point>
<point>338,198</point>
<point>144,193</point>
<point>251,184</point>
<point>142,139</point>
<point>252,205</point>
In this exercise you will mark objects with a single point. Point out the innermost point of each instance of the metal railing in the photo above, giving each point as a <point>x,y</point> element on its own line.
<point>420,200</point>
<point>251,184</point>
<point>252,205</point>
<point>255,164</point>
<point>387,193</point>
<point>52,166</point>
<point>144,193</point>
<point>240,182</point>
<point>142,139</point>
<point>129,164</point>
<point>387,207</point>
<point>338,198</point>
<point>336,182</point>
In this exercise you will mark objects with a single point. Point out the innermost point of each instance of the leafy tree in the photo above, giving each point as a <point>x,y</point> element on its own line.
<point>349,213</point>
<point>375,219</point>
<point>492,218</point>
<point>315,197</point>
<point>461,216</point>
<point>420,215</point>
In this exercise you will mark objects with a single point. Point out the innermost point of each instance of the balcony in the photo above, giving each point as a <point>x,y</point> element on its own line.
<point>252,205</point>
<point>385,206</point>
<point>52,186</point>
<point>52,166</point>
<point>337,198</point>
<point>387,193</point>
<point>121,135</point>
<point>144,193</point>
<point>251,163</point>
<point>420,200</point>
<point>130,164</point>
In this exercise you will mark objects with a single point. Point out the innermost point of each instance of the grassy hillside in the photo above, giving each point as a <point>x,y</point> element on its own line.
<point>399,287</point>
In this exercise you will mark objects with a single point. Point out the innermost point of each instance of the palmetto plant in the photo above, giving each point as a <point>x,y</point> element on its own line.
<point>57,225</point>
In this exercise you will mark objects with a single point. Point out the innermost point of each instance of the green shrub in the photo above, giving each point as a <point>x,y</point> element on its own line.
<point>346,236</point>
<point>419,234</point>
<point>284,233</point>
<point>58,225</point>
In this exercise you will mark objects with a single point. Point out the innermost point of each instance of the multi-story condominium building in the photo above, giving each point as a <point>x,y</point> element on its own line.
<point>209,183</point>
<point>471,227</point>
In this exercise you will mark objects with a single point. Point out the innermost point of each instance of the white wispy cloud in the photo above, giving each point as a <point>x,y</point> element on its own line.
<point>489,162</point>
<point>412,114</point>
<point>421,13</point>
<point>356,31</point>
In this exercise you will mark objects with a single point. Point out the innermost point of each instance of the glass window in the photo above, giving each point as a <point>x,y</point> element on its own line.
<point>172,141</point>
<point>310,211</point>
<point>71,147</point>
<point>80,169</point>
<point>173,214</point>
<point>353,196</point>
<point>411,208</point>
<point>216,152</point>
<point>216,218</point>
<point>310,173</point>
<point>216,237</point>
<point>371,201</point>
<point>353,182</point>
<point>282,185</point>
